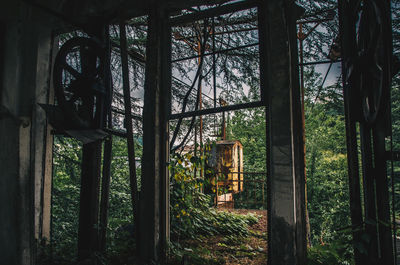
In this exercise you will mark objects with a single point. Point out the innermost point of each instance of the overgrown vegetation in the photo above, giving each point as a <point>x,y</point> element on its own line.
<point>192,214</point>
<point>191,210</point>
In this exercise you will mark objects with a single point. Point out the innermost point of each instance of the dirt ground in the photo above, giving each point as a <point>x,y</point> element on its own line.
<point>257,241</point>
<point>250,251</point>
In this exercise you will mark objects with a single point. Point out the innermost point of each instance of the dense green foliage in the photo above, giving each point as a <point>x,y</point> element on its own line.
<point>249,127</point>
<point>65,197</point>
<point>66,189</point>
<point>335,253</point>
<point>192,214</point>
<point>327,182</point>
<point>191,211</point>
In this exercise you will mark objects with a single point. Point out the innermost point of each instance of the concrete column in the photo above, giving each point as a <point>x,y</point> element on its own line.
<point>286,211</point>
<point>24,75</point>
<point>154,201</point>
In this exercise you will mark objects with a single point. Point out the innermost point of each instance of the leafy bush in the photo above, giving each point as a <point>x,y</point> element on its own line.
<point>191,214</point>
<point>334,253</point>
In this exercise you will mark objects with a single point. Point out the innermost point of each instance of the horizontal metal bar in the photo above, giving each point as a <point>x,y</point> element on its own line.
<point>184,4</point>
<point>314,20</point>
<point>132,99</point>
<point>132,53</point>
<point>244,200</point>
<point>213,12</point>
<point>319,12</point>
<point>216,52</point>
<point>318,62</point>
<point>187,85</point>
<point>216,110</point>
<point>118,111</point>
<point>133,116</point>
<point>217,33</point>
<point>245,173</point>
<point>228,182</point>
<point>115,132</point>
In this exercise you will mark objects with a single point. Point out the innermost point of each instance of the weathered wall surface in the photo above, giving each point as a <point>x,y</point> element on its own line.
<point>24,82</point>
<point>8,201</point>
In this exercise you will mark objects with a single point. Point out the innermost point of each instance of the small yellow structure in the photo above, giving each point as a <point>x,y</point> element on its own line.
<point>226,160</point>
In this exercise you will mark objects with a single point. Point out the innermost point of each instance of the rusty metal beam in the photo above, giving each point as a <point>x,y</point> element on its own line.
<point>217,52</point>
<point>318,62</point>
<point>216,110</point>
<point>213,12</point>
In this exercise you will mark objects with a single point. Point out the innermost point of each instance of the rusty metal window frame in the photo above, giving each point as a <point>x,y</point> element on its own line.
<point>211,13</point>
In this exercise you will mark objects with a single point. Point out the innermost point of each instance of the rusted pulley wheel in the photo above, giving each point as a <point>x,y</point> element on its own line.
<point>78,82</point>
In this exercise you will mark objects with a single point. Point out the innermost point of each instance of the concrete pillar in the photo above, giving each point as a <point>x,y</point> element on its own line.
<point>154,200</point>
<point>24,82</point>
<point>286,203</point>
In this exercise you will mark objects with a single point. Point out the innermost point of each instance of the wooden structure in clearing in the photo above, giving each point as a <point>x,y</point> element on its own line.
<point>227,163</point>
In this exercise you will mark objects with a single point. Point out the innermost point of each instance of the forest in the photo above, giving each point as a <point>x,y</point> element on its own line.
<point>200,232</point>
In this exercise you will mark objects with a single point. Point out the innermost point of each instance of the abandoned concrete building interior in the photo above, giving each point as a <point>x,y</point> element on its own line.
<point>59,77</point>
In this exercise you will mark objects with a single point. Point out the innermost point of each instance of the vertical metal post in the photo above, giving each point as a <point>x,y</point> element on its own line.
<point>88,232</point>
<point>376,196</point>
<point>382,194</point>
<point>216,194</point>
<point>200,94</point>
<point>214,73</point>
<point>223,126</point>
<point>301,37</point>
<point>195,146</point>
<point>379,133</point>
<point>129,127</point>
<point>369,194</point>
<point>301,60</point>
<point>107,155</point>
<point>105,192</point>
<point>348,48</point>
<point>214,64</point>
<point>89,203</point>
<point>263,197</point>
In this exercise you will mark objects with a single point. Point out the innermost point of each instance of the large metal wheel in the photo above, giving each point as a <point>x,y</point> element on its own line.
<point>78,82</point>
<point>372,62</point>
